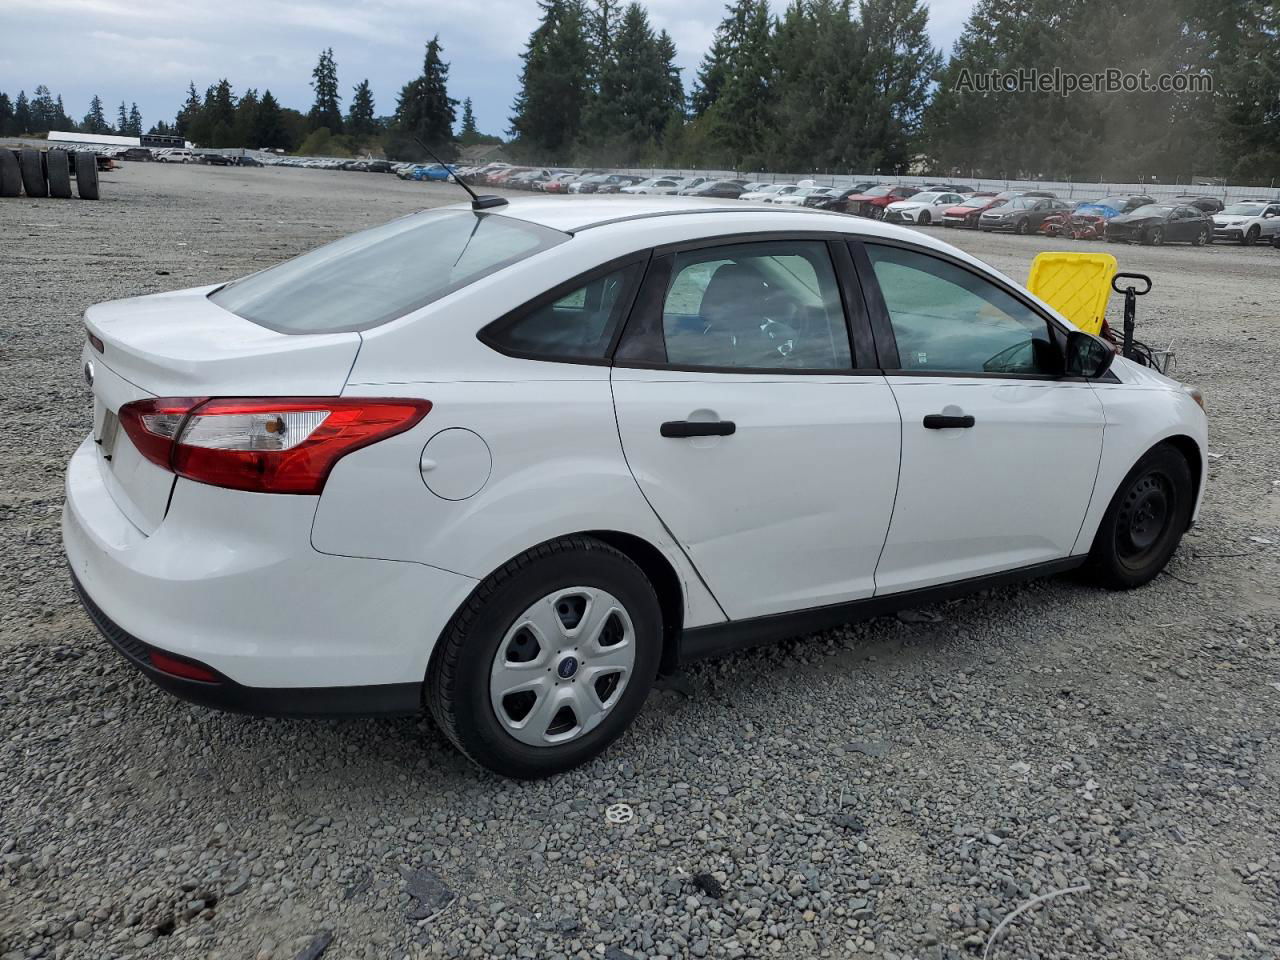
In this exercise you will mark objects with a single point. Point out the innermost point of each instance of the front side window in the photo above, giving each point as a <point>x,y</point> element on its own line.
<point>577,325</point>
<point>767,305</point>
<point>946,319</point>
<point>378,275</point>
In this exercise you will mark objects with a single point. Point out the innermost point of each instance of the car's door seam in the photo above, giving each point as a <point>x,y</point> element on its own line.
<point>661,522</point>
<point>897,486</point>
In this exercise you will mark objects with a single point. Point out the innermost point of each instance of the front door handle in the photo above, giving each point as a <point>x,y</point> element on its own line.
<point>940,421</point>
<point>698,428</point>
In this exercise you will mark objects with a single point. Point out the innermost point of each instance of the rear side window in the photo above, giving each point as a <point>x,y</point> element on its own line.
<point>570,325</point>
<point>375,276</point>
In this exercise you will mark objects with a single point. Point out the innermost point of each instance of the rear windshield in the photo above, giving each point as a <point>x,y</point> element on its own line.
<point>375,276</point>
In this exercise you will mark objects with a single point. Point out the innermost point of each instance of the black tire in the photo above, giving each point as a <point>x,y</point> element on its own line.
<point>925,219</point>
<point>59,174</point>
<point>1144,522</point>
<point>1156,237</point>
<point>10,174</point>
<point>33,181</point>
<point>1201,238</point>
<point>457,683</point>
<point>87,176</point>
<point>1020,228</point>
<point>1251,237</point>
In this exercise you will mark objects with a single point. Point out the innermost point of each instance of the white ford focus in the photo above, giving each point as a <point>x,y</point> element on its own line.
<point>515,463</point>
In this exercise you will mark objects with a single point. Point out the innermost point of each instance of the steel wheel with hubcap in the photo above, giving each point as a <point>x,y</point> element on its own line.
<point>549,660</point>
<point>562,666</point>
<point>1145,520</point>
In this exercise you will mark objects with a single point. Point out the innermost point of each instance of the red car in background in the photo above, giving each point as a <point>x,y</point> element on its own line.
<point>872,203</point>
<point>966,214</point>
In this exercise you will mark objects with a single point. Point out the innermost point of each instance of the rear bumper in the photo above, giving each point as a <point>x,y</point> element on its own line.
<point>374,699</point>
<point>231,580</point>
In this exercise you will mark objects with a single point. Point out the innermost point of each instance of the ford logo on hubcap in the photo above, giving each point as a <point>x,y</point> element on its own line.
<point>568,667</point>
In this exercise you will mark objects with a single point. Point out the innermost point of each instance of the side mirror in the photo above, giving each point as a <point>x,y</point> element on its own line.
<point>1088,356</point>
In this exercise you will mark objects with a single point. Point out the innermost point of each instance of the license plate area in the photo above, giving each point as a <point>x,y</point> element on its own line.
<point>107,433</point>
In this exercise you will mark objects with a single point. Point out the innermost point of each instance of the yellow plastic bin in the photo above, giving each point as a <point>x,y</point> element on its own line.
<point>1077,285</point>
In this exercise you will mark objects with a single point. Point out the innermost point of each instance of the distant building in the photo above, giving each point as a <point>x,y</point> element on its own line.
<point>111,140</point>
<point>484,153</point>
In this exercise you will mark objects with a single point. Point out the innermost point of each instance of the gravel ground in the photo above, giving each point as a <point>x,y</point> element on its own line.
<point>893,789</point>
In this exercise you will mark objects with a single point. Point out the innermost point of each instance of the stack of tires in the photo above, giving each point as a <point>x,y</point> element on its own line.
<point>47,174</point>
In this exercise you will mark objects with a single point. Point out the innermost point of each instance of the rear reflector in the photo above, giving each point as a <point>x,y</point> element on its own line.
<point>269,445</point>
<point>181,668</point>
<point>96,342</point>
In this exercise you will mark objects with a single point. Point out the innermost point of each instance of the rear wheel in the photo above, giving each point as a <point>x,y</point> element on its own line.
<point>549,660</point>
<point>1144,522</point>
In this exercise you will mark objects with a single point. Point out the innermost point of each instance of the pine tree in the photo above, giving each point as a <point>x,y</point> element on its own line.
<point>95,121</point>
<point>711,73</point>
<point>634,96</point>
<point>22,114</point>
<point>122,120</point>
<point>326,112</point>
<point>468,134</point>
<point>135,121</point>
<point>554,83</point>
<point>741,117</point>
<point>361,120</point>
<point>6,116</point>
<point>269,130</point>
<point>44,111</point>
<point>189,112</point>
<point>899,65</point>
<point>424,110</point>
<point>245,117</point>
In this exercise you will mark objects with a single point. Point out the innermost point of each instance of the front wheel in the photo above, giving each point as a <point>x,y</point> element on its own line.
<point>925,219</point>
<point>549,660</point>
<point>1251,237</point>
<point>1021,228</point>
<point>1144,522</point>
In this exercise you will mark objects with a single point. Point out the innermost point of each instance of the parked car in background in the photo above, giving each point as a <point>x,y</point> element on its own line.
<point>1109,207</point>
<point>176,155</point>
<point>591,184</point>
<point>873,202</point>
<point>967,213</point>
<point>766,193</point>
<point>923,209</point>
<point>216,159</point>
<point>1159,223</point>
<point>798,197</point>
<point>835,200</point>
<point>617,181</point>
<point>1021,215</point>
<point>724,189</point>
<point>654,185</point>
<point>558,183</point>
<point>1209,205</point>
<point>1247,222</point>
<point>248,161</point>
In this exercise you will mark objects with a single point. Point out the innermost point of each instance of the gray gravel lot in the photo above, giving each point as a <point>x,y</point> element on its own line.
<point>892,789</point>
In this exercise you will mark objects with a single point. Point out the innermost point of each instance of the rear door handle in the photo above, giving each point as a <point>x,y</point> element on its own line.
<point>698,428</point>
<point>940,421</point>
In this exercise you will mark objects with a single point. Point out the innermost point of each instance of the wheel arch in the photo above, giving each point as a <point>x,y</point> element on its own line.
<point>666,584</point>
<point>1191,452</point>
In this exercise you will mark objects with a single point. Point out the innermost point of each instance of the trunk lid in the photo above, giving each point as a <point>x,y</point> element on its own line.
<point>183,345</point>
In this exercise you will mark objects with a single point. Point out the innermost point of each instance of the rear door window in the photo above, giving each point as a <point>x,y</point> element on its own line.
<point>378,275</point>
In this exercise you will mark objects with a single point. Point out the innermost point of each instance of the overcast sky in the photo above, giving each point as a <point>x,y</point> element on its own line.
<point>147,50</point>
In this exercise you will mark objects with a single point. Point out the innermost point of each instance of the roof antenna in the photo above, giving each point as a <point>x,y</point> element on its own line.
<point>477,202</point>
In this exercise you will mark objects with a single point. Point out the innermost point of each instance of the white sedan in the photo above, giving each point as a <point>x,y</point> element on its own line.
<point>665,186</point>
<point>513,463</point>
<point>1247,222</point>
<point>922,209</point>
<point>771,192</point>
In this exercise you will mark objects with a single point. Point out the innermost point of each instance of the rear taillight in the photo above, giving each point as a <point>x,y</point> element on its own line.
<point>269,445</point>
